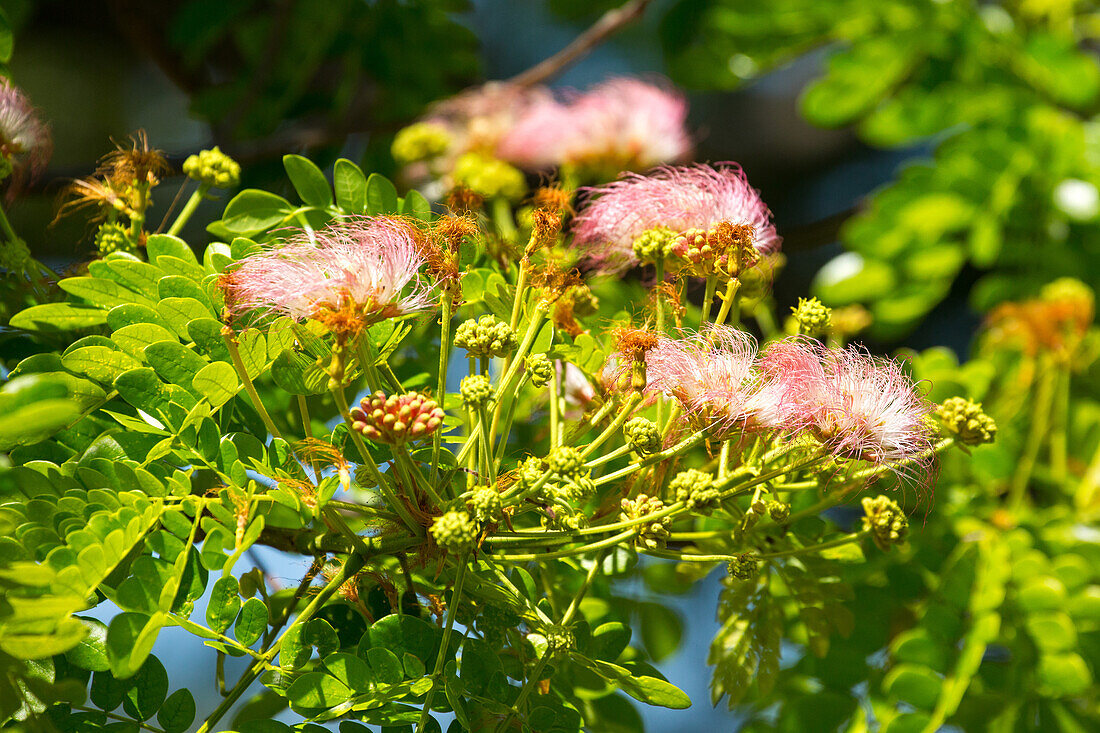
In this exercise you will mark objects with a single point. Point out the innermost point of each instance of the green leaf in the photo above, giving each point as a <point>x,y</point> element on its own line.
<point>174,362</point>
<point>404,633</point>
<point>919,686</point>
<point>130,638</point>
<point>125,315</point>
<point>140,277</point>
<point>252,622</point>
<point>386,666</point>
<point>7,38</point>
<point>91,652</point>
<point>224,604</point>
<point>308,180</point>
<point>318,690</point>
<point>166,245</point>
<point>351,186</point>
<point>135,337</point>
<point>608,641</point>
<point>381,195</point>
<point>178,286</point>
<point>416,206</point>
<point>147,693</point>
<point>178,312</point>
<point>349,669</point>
<point>34,407</point>
<point>99,362</point>
<point>104,293</point>
<point>253,211</point>
<point>1052,631</point>
<point>59,317</point>
<point>178,711</point>
<point>662,630</point>
<point>217,382</point>
<point>1063,675</point>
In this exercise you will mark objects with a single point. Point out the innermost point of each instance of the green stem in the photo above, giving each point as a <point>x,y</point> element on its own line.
<point>444,361</point>
<point>845,540</point>
<point>555,407</point>
<point>238,364</point>
<point>1040,422</point>
<point>502,217</point>
<point>708,298</point>
<point>606,542</point>
<point>506,429</point>
<point>452,609</point>
<point>486,451</point>
<point>597,563</point>
<point>528,686</point>
<point>621,418</point>
<point>731,297</point>
<point>766,320</point>
<point>189,208</point>
<point>1058,438</point>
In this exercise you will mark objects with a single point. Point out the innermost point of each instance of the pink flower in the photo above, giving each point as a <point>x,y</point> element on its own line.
<point>678,198</point>
<point>622,123</point>
<point>859,406</point>
<point>24,139</point>
<point>714,376</point>
<point>359,271</point>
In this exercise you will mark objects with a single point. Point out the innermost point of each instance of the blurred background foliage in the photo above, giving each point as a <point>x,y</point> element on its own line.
<point>935,160</point>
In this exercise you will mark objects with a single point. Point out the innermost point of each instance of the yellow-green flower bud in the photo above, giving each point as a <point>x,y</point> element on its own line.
<point>214,168</point>
<point>743,566</point>
<point>15,256</point>
<point>654,244</point>
<point>566,461</point>
<point>695,489</point>
<point>489,177</point>
<point>529,472</point>
<point>559,639</point>
<point>454,532</point>
<point>650,535</point>
<point>420,141</point>
<point>643,435</point>
<point>778,511</point>
<point>486,506</point>
<point>113,238</point>
<point>476,390</point>
<point>967,421</point>
<point>885,520</point>
<point>540,369</point>
<point>812,317</point>
<point>485,336</point>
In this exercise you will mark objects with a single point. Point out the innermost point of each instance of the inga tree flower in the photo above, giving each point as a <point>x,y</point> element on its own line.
<point>857,405</point>
<point>676,198</point>
<point>360,271</point>
<point>623,123</point>
<point>25,144</point>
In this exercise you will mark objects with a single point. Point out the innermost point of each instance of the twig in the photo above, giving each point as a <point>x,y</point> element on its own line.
<point>608,24</point>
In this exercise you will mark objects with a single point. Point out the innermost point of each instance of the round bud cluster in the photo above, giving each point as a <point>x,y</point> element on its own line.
<point>485,336</point>
<point>812,317</point>
<point>489,177</point>
<point>214,168</point>
<point>420,141</point>
<point>651,535</point>
<point>113,238</point>
<point>454,532</point>
<point>559,639</point>
<point>476,390</point>
<point>529,472</point>
<point>654,244</point>
<point>886,521</point>
<point>575,491</point>
<point>643,435</point>
<point>743,566</point>
<point>708,252</point>
<point>966,419</point>
<point>778,511</point>
<point>485,505</point>
<point>396,418</point>
<point>695,489</point>
<point>15,255</point>
<point>567,462</point>
<point>559,519</point>
<point>540,369</point>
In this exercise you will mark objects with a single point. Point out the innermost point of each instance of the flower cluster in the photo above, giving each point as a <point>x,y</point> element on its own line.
<point>348,275</point>
<point>213,168</point>
<point>682,199</point>
<point>25,144</point>
<point>397,418</point>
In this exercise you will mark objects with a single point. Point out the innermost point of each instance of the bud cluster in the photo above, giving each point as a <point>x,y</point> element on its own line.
<point>420,141</point>
<point>396,418</point>
<point>696,489</point>
<point>651,535</point>
<point>566,462</point>
<point>214,168</point>
<point>485,336</point>
<point>485,505</point>
<point>643,435</point>
<point>559,639</point>
<point>743,566</point>
<point>722,249</point>
<point>654,244</point>
<point>966,419</point>
<point>812,316</point>
<point>476,391</point>
<point>489,177</point>
<point>111,238</point>
<point>540,369</point>
<point>885,520</point>
<point>454,532</point>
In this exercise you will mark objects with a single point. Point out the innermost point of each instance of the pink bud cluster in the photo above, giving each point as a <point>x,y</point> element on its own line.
<point>856,405</point>
<point>622,123</point>
<point>680,198</point>
<point>356,271</point>
<point>397,418</point>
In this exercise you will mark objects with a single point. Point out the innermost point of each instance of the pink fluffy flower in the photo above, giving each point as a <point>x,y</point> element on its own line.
<point>858,405</point>
<point>622,123</point>
<point>357,272</point>
<point>24,139</point>
<point>680,198</point>
<point>714,376</point>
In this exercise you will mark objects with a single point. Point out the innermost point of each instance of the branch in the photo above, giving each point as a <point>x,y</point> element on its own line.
<point>608,24</point>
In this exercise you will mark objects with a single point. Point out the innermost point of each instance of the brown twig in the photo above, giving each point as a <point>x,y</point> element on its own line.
<point>608,24</point>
